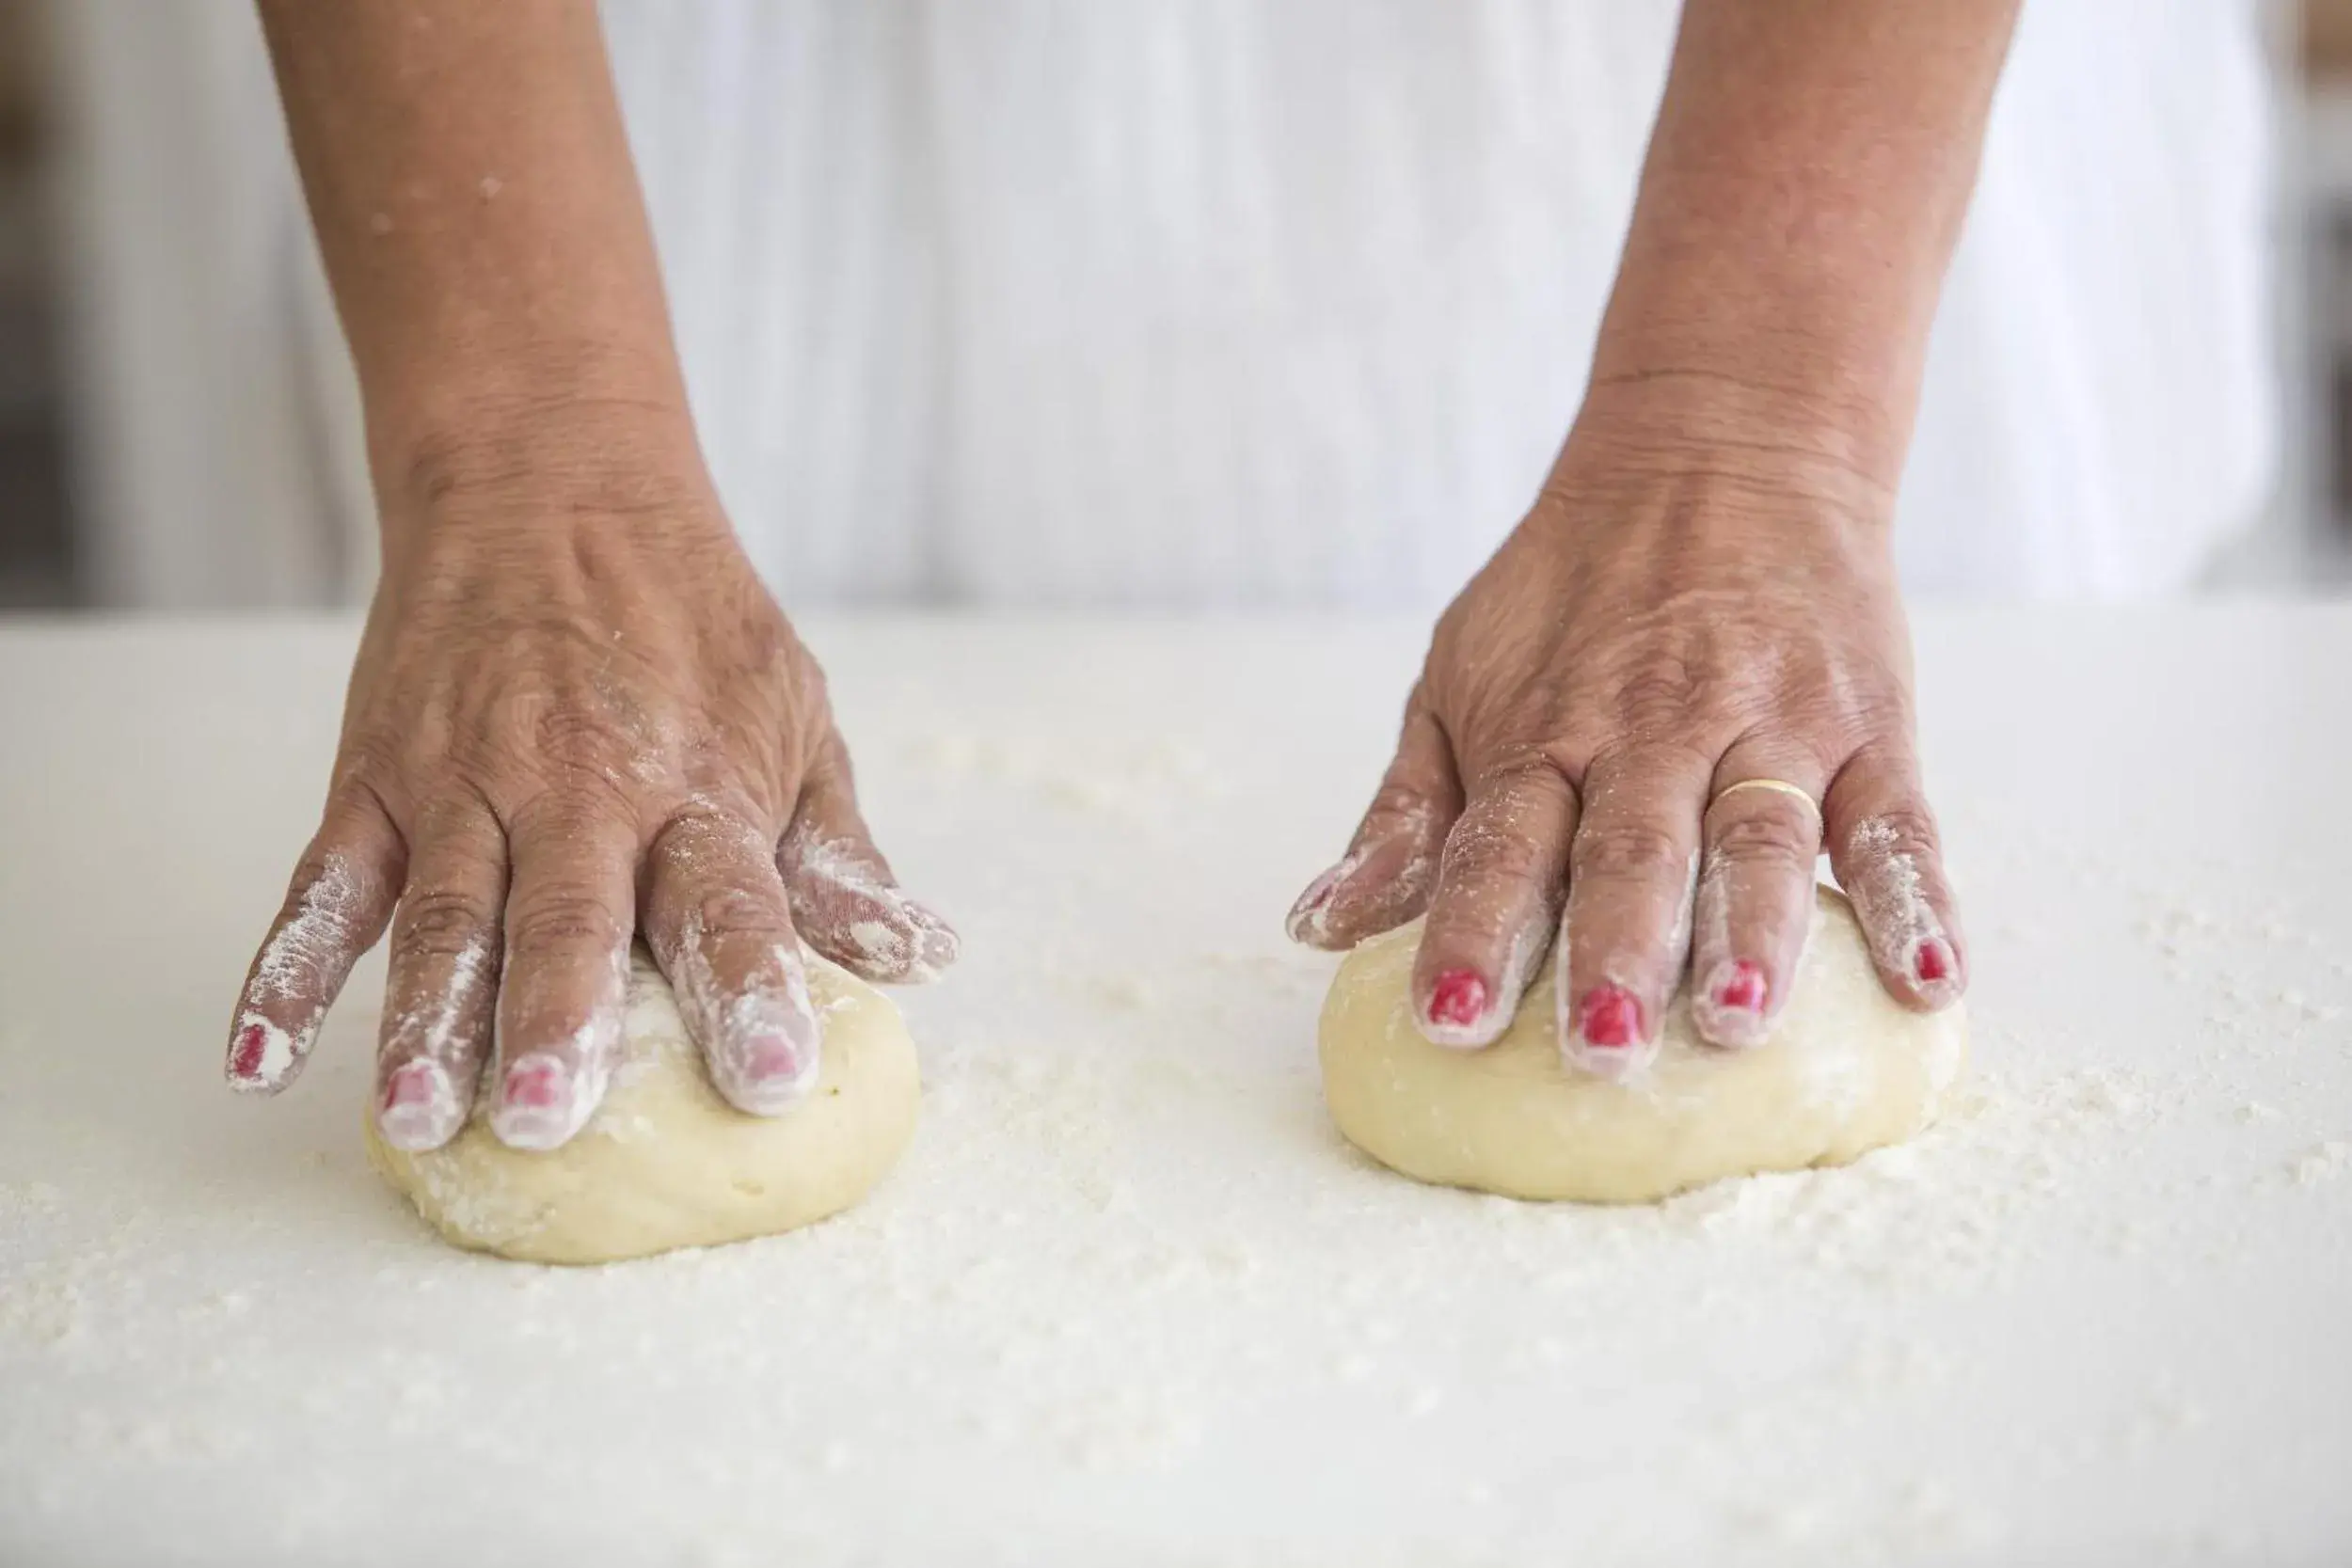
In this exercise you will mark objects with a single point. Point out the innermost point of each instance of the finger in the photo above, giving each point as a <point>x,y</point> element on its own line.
<point>440,990</point>
<point>844,899</point>
<point>1385,877</point>
<point>335,907</point>
<point>1884,846</point>
<point>1755,903</point>
<point>720,928</point>
<point>1626,936</point>
<point>569,915</point>
<point>1496,903</point>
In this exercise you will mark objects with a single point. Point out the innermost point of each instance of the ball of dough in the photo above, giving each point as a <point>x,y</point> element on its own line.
<point>1847,1069</point>
<point>665,1162</point>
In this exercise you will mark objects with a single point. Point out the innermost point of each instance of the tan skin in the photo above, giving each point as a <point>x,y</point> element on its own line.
<point>577,715</point>
<point>1704,594</point>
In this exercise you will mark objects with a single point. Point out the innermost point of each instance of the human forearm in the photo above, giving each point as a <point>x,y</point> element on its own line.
<point>483,230</point>
<point>1805,184</point>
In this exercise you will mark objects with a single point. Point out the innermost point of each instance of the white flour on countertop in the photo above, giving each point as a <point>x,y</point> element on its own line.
<point>1127,1259</point>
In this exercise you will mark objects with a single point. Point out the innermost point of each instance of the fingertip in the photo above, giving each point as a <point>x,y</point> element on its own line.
<point>1734,1007</point>
<point>898,942</point>
<point>334,910</point>
<point>771,1078</point>
<point>1461,1010</point>
<point>937,945</point>
<point>1934,973</point>
<point>418,1109</point>
<point>1606,1033</point>
<point>262,1058</point>
<point>1309,922</point>
<point>1386,876</point>
<point>542,1104</point>
<point>1888,859</point>
<point>769,1051</point>
<point>1377,886</point>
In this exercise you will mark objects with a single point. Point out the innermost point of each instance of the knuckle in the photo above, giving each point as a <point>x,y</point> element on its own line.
<point>1480,850</point>
<point>832,760</point>
<point>737,911</point>
<point>1632,850</point>
<point>329,881</point>
<point>1906,828</point>
<point>1396,808</point>
<point>703,834</point>
<point>564,918</point>
<point>319,863</point>
<point>1769,838</point>
<point>371,753</point>
<point>1660,694</point>
<point>578,736</point>
<point>581,802</point>
<point>439,922</point>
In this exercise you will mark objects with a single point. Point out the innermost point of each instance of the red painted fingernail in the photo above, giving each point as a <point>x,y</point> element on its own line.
<point>538,1084</point>
<point>1301,922</point>
<point>1609,1017</point>
<point>252,1045</point>
<point>772,1063</point>
<point>416,1084</point>
<point>1745,989</point>
<point>1931,963</point>
<point>1458,998</point>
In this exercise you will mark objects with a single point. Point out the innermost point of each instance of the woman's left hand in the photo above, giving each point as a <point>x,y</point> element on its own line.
<point>1702,597</point>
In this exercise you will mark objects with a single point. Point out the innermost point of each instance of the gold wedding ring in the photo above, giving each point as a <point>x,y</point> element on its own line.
<point>1781,786</point>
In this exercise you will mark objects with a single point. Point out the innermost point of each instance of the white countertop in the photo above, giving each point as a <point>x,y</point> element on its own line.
<point>1129,1300</point>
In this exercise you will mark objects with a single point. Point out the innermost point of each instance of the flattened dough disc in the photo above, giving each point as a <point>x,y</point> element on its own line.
<point>665,1162</point>
<point>1848,1070</point>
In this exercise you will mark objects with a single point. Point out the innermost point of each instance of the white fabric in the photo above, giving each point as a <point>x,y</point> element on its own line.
<point>1223,302</point>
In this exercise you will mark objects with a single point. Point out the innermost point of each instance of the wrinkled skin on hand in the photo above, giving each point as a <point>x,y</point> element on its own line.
<point>1685,608</point>
<point>576,715</point>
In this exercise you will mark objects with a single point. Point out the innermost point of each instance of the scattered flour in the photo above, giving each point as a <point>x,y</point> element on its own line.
<point>1127,1252</point>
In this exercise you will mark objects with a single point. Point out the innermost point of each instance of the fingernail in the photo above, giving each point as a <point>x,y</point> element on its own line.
<point>418,1110</point>
<point>538,1084</point>
<point>768,1056</point>
<point>1609,1018</point>
<point>536,1105</point>
<point>1729,1006</point>
<point>777,1074</point>
<point>1459,999</point>
<point>1743,991</point>
<point>936,944</point>
<point>1932,961</point>
<point>245,1058</point>
<point>260,1057</point>
<point>1302,925</point>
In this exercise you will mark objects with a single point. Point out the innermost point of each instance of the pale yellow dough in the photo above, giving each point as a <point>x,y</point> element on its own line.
<point>665,1162</point>
<point>1847,1070</point>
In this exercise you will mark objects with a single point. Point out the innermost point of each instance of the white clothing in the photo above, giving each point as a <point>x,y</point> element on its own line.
<point>1210,303</point>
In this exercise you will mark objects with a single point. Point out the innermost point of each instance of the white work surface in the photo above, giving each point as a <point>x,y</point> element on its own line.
<point>1129,1300</point>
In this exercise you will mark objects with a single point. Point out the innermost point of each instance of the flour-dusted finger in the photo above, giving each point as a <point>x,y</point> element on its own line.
<point>1625,938</point>
<point>1497,904</point>
<point>1762,834</point>
<point>843,898</point>
<point>721,928</point>
<point>571,911</point>
<point>1391,866</point>
<point>440,989</point>
<point>1884,846</point>
<point>336,906</point>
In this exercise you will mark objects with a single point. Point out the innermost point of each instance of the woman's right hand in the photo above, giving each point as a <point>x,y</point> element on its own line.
<point>576,715</point>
